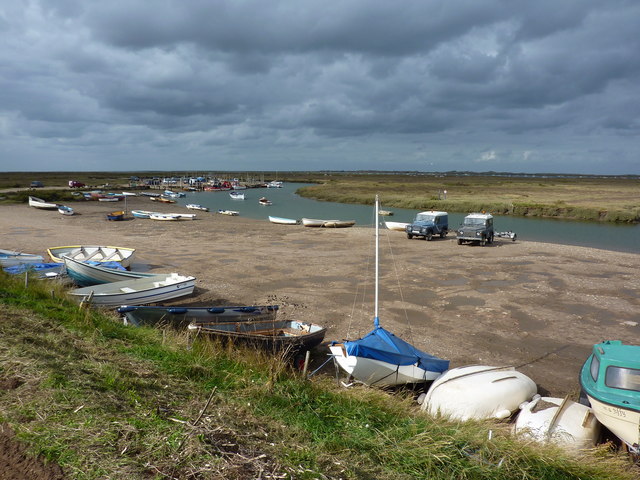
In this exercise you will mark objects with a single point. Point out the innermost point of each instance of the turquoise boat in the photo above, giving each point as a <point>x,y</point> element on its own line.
<point>610,379</point>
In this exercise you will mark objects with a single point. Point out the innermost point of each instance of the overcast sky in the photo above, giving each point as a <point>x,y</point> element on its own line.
<point>267,85</point>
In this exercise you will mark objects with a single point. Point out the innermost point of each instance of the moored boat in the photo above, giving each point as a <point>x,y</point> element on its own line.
<point>181,316</point>
<point>84,253</point>
<point>41,204</point>
<point>385,213</point>
<point>139,291</point>
<point>236,195</point>
<point>90,273</point>
<point>283,221</point>
<point>610,379</point>
<point>265,201</point>
<point>197,206</point>
<point>229,212</point>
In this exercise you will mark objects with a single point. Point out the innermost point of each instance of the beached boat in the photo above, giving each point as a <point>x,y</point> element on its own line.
<point>90,273</point>
<point>229,212</point>
<point>84,253</point>
<point>129,194</point>
<point>236,195</point>
<point>65,210</point>
<point>116,216</point>
<point>164,217</point>
<point>338,223</point>
<point>397,226</point>
<point>265,201</point>
<point>172,194</point>
<point>610,379</point>
<point>571,425</point>
<point>181,317</point>
<point>283,221</point>
<point>142,213</point>
<point>268,334</point>
<point>40,270</point>
<point>197,206</point>
<point>9,258</point>
<point>478,392</point>
<point>163,199</point>
<point>382,359</point>
<point>41,204</point>
<point>312,222</point>
<point>139,291</point>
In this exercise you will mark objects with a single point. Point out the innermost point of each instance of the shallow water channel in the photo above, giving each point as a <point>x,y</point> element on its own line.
<point>624,238</point>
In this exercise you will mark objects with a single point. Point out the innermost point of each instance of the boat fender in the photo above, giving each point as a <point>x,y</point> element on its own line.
<point>126,308</point>
<point>177,310</point>
<point>502,414</point>
<point>215,310</point>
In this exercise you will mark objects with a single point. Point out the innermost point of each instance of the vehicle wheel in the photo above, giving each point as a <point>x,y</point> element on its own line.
<point>459,241</point>
<point>443,234</point>
<point>483,242</point>
<point>409,236</point>
<point>490,240</point>
<point>428,236</point>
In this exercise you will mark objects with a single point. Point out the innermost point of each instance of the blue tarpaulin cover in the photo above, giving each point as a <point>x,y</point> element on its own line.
<point>36,267</point>
<point>380,344</point>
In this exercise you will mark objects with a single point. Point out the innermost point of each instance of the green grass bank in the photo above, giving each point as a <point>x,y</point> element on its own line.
<point>104,400</point>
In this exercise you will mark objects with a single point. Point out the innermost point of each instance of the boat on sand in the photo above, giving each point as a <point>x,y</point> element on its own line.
<point>283,221</point>
<point>9,258</point>
<point>41,204</point>
<point>382,359</point>
<point>84,253</point>
<point>139,291</point>
<point>94,273</point>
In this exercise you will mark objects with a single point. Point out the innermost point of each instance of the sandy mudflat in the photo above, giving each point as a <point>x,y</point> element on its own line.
<point>537,306</point>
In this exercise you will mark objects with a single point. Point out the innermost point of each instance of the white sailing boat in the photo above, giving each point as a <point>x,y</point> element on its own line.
<point>382,359</point>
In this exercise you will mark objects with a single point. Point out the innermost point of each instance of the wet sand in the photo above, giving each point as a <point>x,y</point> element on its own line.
<point>536,306</point>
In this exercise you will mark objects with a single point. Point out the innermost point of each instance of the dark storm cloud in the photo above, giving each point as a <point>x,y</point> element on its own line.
<point>445,85</point>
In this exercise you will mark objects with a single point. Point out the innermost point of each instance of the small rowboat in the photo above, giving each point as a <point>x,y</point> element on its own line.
<point>139,291</point>
<point>181,317</point>
<point>163,199</point>
<point>397,226</point>
<point>195,206</point>
<point>9,258</point>
<point>265,201</point>
<point>85,253</point>
<point>283,221</point>
<point>271,334</point>
<point>41,204</point>
<point>236,195</point>
<point>312,222</point>
<point>165,217</point>
<point>338,223</point>
<point>115,216</point>
<point>64,210</point>
<point>89,273</point>
<point>229,212</point>
<point>142,213</point>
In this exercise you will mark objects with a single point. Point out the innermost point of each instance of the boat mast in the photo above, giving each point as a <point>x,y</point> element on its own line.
<point>376,321</point>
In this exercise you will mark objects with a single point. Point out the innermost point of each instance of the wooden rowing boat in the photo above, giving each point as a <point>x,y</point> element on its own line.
<point>85,253</point>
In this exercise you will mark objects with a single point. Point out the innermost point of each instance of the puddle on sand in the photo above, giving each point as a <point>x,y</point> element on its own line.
<point>454,282</point>
<point>461,301</point>
<point>527,323</point>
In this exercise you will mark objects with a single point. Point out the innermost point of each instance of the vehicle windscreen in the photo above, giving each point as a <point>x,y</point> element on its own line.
<point>623,378</point>
<point>424,217</point>
<point>474,222</point>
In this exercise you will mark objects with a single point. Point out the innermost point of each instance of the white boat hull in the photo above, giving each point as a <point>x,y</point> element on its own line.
<point>85,274</point>
<point>478,392</point>
<point>141,291</point>
<point>283,221</point>
<point>623,423</point>
<point>379,373</point>
<point>563,422</point>
<point>41,204</point>
<point>397,226</point>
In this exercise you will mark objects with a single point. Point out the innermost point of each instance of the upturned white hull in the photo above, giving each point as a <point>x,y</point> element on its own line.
<point>41,204</point>
<point>379,373</point>
<point>283,221</point>
<point>623,423</point>
<point>397,226</point>
<point>563,422</point>
<point>478,392</point>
